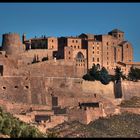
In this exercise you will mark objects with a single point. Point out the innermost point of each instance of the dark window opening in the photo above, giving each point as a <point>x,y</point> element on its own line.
<point>16,86</point>
<point>54,101</point>
<point>107,43</point>
<point>26,87</point>
<point>1,70</point>
<point>4,88</point>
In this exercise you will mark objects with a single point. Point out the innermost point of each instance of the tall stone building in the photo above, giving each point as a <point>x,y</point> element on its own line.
<point>83,51</point>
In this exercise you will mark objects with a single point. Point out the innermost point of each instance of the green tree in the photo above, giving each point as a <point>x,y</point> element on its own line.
<point>94,72</point>
<point>104,76</point>
<point>134,74</point>
<point>118,74</point>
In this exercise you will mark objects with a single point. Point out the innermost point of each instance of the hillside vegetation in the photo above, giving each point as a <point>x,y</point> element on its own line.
<point>14,128</point>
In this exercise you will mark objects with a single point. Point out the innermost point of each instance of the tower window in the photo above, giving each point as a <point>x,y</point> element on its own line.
<point>107,43</point>
<point>93,52</point>
<point>127,45</point>
<point>93,59</point>
<point>69,52</point>
<point>97,59</point>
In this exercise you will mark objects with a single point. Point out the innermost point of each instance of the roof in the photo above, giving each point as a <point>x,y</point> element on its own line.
<point>116,31</point>
<point>123,42</point>
<point>90,104</point>
<point>86,35</point>
<point>133,63</point>
<point>129,63</point>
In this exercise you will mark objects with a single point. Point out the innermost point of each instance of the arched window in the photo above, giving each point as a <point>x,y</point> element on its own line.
<point>79,55</point>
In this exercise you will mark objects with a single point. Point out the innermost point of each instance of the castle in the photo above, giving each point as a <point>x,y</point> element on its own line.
<point>83,51</point>
<point>46,73</point>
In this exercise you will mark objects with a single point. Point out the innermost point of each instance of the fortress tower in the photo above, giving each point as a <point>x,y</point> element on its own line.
<point>11,43</point>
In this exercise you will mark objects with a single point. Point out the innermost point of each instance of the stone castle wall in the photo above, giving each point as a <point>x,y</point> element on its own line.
<point>11,44</point>
<point>70,91</point>
<point>130,89</point>
<point>98,88</point>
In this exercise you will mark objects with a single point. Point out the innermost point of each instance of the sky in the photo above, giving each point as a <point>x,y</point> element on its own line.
<point>72,19</point>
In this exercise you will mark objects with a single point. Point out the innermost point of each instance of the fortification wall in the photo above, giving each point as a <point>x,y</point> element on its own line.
<point>11,43</point>
<point>97,88</point>
<point>58,68</point>
<point>70,91</point>
<point>30,90</point>
<point>9,65</point>
<point>130,89</point>
<point>29,55</point>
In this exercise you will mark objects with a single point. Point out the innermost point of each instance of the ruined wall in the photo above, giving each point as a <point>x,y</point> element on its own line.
<point>84,116</point>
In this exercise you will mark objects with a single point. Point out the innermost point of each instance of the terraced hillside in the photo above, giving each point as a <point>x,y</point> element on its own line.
<point>133,102</point>
<point>124,125</point>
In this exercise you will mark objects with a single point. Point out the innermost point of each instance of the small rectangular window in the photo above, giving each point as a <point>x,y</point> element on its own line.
<point>97,59</point>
